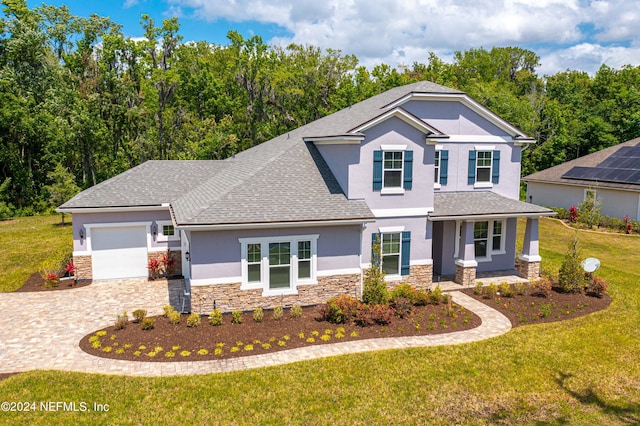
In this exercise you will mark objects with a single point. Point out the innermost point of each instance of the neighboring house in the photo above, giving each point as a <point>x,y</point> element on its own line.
<point>426,169</point>
<point>611,176</point>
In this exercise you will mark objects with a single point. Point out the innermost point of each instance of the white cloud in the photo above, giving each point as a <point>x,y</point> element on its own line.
<point>584,32</point>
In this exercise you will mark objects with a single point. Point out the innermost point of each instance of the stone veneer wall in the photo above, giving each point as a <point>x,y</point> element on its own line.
<point>176,255</point>
<point>83,267</point>
<point>465,276</point>
<point>229,297</point>
<point>528,270</point>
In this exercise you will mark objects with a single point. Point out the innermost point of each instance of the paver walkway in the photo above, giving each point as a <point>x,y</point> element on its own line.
<point>42,330</point>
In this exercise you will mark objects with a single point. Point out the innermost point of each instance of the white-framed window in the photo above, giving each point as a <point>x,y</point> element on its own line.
<point>436,176</point>
<point>278,264</point>
<point>391,253</point>
<point>166,231</point>
<point>488,238</point>
<point>392,169</point>
<point>484,160</point>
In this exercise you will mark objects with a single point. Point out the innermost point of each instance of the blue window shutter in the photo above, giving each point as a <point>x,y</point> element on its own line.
<point>406,253</point>
<point>472,167</point>
<point>377,170</point>
<point>444,167</point>
<point>408,169</point>
<point>495,173</point>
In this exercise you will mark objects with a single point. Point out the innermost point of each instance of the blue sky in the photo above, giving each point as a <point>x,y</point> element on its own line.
<point>566,34</point>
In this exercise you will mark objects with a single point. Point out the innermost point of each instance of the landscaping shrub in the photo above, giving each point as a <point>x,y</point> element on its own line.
<point>542,287</point>
<point>296,311</point>
<point>167,309</point>
<point>490,291</point>
<point>381,314</point>
<point>345,306</point>
<point>406,291</point>
<point>374,290</point>
<point>597,287</point>
<point>174,317</point>
<point>193,320</point>
<point>258,315</point>
<point>277,313</point>
<point>422,298</point>
<point>148,323</point>
<point>571,275</point>
<point>364,318</point>
<point>478,288</point>
<point>121,321</point>
<point>573,214</point>
<point>435,297</point>
<point>236,317</point>
<point>402,307</point>
<point>506,290</point>
<point>521,288</point>
<point>589,211</point>
<point>215,317</point>
<point>139,315</point>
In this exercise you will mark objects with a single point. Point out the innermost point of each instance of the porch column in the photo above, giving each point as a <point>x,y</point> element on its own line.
<point>528,264</point>
<point>466,264</point>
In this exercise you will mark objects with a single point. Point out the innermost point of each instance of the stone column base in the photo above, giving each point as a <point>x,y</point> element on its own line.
<point>465,276</point>
<point>83,266</point>
<point>528,269</point>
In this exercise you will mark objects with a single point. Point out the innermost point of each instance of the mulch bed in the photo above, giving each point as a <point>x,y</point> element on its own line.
<point>263,337</point>
<point>558,306</point>
<point>4,376</point>
<point>36,283</point>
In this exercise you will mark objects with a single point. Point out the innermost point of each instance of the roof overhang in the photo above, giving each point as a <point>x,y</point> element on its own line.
<point>348,139</point>
<point>113,209</point>
<point>489,216</point>
<point>268,225</point>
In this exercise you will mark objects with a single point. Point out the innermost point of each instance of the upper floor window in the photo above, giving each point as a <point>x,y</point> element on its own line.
<point>441,163</point>
<point>436,164</point>
<point>484,167</point>
<point>392,169</point>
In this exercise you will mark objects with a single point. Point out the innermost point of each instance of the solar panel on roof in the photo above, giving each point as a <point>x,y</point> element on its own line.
<point>623,166</point>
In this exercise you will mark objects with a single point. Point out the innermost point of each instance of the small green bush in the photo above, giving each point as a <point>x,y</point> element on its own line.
<point>423,298</point>
<point>167,309</point>
<point>193,320</point>
<point>374,290</point>
<point>435,297</point>
<point>139,315</point>
<point>477,290</point>
<point>571,276</point>
<point>277,313</point>
<point>236,317</point>
<point>490,291</point>
<point>121,321</point>
<point>402,307</point>
<point>258,315</point>
<point>174,317</point>
<point>345,306</point>
<point>148,323</point>
<point>506,290</point>
<point>406,291</point>
<point>296,311</point>
<point>521,289</point>
<point>597,287</point>
<point>215,317</point>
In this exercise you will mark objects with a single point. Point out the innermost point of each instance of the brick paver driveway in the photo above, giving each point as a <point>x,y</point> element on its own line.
<point>41,331</point>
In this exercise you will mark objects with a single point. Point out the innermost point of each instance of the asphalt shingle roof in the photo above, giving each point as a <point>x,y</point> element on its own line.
<point>464,204</point>
<point>554,174</point>
<point>284,179</point>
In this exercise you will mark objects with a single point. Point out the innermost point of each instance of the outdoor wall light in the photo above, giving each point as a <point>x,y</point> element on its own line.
<point>81,233</point>
<point>154,229</point>
<point>187,256</point>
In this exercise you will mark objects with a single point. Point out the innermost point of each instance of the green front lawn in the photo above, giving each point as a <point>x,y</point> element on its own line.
<point>581,371</point>
<point>27,243</point>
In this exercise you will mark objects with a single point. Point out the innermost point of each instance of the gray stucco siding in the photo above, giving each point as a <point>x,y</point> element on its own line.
<point>615,203</point>
<point>393,132</point>
<point>452,118</point>
<point>341,159</point>
<point>217,254</point>
<point>420,236</point>
<point>82,220</point>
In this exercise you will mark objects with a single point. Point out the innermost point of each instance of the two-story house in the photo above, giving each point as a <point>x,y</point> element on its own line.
<point>426,169</point>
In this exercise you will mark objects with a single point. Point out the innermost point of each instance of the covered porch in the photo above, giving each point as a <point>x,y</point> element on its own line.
<point>474,235</point>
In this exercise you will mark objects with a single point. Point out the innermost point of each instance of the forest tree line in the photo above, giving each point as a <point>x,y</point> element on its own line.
<point>80,102</point>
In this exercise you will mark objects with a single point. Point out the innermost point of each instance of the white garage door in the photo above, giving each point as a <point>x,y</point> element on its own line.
<point>119,252</point>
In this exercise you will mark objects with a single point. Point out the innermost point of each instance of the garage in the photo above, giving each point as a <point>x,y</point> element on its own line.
<point>119,252</point>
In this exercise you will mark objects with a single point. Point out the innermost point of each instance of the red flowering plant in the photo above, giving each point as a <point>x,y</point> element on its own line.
<point>50,279</point>
<point>154,268</point>
<point>167,262</point>
<point>573,214</point>
<point>70,269</point>
<point>628,226</point>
